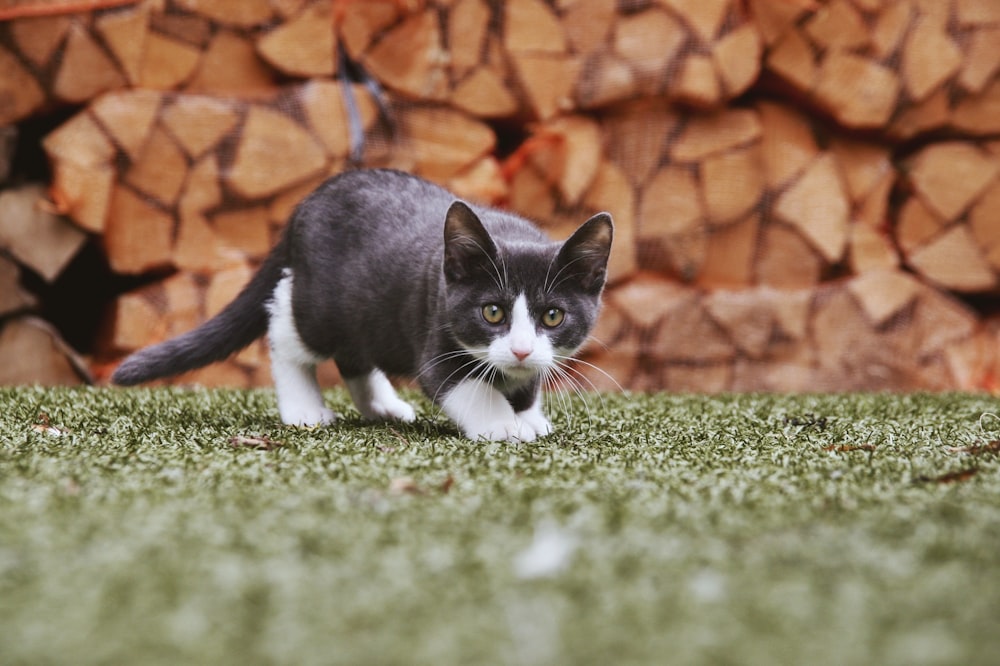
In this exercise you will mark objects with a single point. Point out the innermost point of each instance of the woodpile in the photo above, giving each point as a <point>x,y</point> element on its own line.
<point>901,67</point>
<point>806,192</point>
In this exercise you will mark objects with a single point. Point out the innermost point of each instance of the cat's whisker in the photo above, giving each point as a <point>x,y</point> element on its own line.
<point>597,341</point>
<point>441,358</point>
<point>569,360</point>
<point>475,362</point>
<point>567,380</point>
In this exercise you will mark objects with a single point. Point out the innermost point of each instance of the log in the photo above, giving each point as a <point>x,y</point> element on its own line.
<point>883,293</point>
<point>409,58</point>
<point>649,41</point>
<point>817,206</point>
<point>745,317</point>
<point>8,144</point>
<point>930,57</point>
<point>128,117</point>
<point>239,13</point>
<point>954,261</point>
<point>532,26</point>
<point>85,69</point>
<point>706,135</point>
<point>547,81</point>
<point>698,86</point>
<point>326,113</point>
<point>946,227</point>
<point>124,32</point>
<point>199,122</point>
<point>870,248</point>
<point>193,29</point>
<point>304,45</point>
<point>737,58</point>
<point>246,230</point>
<point>198,248</point>
<point>83,173</point>
<point>481,181</point>
<point>443,141</point>
<point>20,93</point>
<point>160,168</point>
<point>139,235</point>
<point>274,153</point>
<point>901,68</point>
<point>359,22</point>
<point>468,25</point>
<point>949,176</point>
<point>31,352</point>
<point>982,222</point>
<point>484,94</point>
<point>34,236</point>
<point>785,259</point>
<point>859,93</point>
<point>13,297</point>
<point>732,184</point>
<point>38,37</point>
<point>729,255</point>
<point>167,63</point>
<point>704,17</point>
<point>787,143</point>
<point>230,64</point>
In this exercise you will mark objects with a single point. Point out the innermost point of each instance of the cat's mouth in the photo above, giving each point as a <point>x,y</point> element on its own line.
<point>518,371</point>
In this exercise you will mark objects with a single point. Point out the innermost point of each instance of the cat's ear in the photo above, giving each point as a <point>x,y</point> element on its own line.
<point>585,254</point>
<point>468,247</point>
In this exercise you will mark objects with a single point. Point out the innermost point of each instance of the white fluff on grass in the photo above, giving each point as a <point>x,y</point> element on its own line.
<point>550,552</point>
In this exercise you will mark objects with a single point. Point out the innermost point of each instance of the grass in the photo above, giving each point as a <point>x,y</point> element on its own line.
<point>165,526</point>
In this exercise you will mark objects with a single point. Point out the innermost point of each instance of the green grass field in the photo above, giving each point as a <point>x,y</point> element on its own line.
<point>166,527</point>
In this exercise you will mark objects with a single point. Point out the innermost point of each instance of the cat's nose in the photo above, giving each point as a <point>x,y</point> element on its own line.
<point>519,354</point>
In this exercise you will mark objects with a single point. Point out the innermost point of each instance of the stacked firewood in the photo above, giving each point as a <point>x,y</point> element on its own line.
<point>805,192</point>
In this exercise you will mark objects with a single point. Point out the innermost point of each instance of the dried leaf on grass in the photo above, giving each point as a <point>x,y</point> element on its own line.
<point>44,426</point>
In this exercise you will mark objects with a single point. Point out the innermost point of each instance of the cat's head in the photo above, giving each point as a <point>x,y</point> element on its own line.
<point>521,304</point>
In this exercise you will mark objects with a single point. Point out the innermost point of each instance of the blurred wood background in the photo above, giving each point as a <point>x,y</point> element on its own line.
<point>806,192</point>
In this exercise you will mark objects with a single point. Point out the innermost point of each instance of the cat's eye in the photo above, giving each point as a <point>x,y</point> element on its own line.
<point>493,314</point>
<point>553,317</point>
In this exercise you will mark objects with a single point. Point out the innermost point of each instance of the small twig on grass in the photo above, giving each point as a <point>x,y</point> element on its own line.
<point>950,477</point>
<point>976,449</point>
<point>259,443</point>
<point>843,448</point>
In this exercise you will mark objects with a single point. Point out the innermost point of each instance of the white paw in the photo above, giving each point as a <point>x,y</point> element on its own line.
<point>536,421</point>
<point>300,416</point>
<point>516,430</point>
<point>393,410</point>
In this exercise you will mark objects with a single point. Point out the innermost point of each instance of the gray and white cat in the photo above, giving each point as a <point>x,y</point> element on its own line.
<point>480,314</point>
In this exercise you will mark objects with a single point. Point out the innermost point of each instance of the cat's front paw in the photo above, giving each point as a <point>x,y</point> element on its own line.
<point>534,418</point>
<point>308,417</point>
<point>517,430</point>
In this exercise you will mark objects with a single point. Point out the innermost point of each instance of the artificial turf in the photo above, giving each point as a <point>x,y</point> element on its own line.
<point>162,526</point>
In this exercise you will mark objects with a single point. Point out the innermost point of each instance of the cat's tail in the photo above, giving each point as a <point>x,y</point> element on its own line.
<point>241,322</point>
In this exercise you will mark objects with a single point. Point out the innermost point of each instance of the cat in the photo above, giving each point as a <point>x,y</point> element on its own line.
<point>391,275</point>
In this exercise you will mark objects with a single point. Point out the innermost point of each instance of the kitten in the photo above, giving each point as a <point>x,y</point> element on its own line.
<point>389,274</point>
